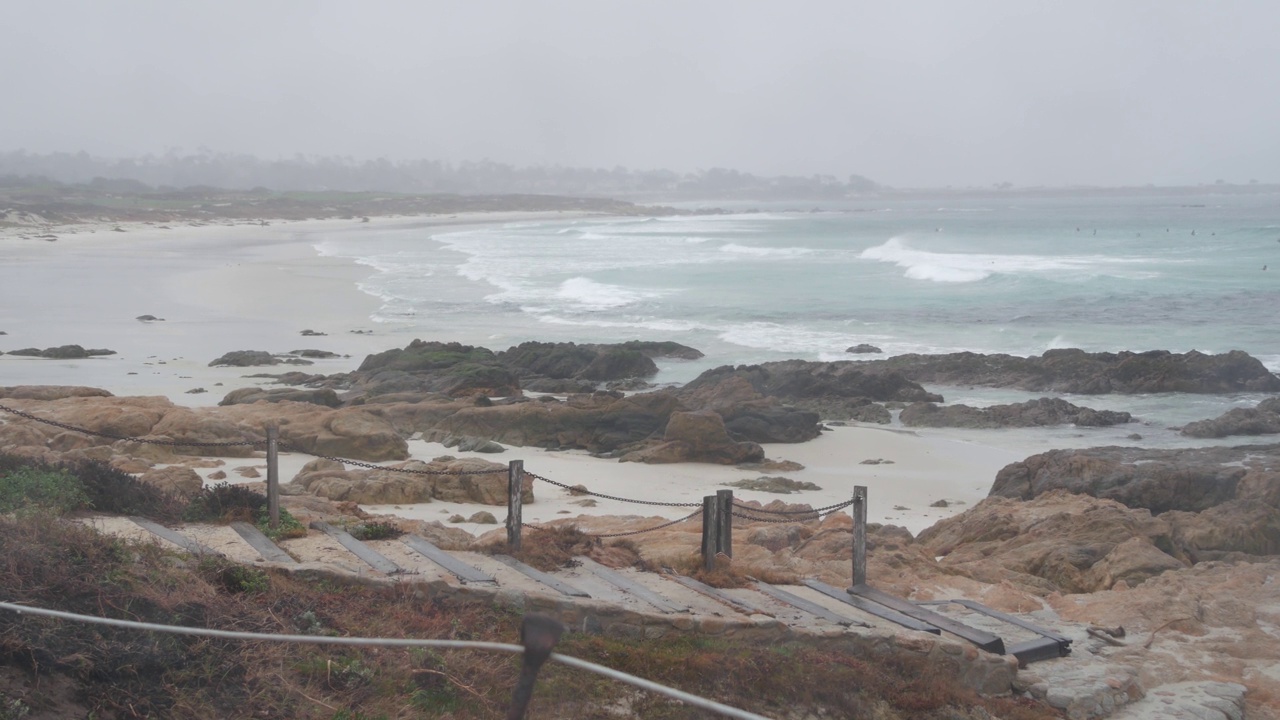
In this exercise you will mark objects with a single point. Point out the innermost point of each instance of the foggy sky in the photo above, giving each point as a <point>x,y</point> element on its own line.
<point>911,94</point>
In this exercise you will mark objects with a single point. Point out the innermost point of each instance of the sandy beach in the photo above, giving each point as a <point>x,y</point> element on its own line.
<point>231,287</point>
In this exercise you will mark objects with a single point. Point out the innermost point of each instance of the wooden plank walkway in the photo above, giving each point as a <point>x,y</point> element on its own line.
<point>737,604</point>
<point>629,586</point>
<point>459,569</point>
<point>872,608</point>
<point>174,537</point>
<point>371,557</point>
<point>554,583</point>
<point>267,549</point>
<point>813,608</point>
<point>987,641</point>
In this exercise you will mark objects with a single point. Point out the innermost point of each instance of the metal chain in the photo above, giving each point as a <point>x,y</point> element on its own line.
<point>409,471</point>
<point>583,491</point>
<point>147,441</point>
<point>772,520</point>
<point>820,511</point>
<point>690,516</point>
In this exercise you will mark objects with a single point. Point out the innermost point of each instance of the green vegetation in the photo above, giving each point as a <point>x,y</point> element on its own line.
<point>228,503</point>
<point>374,530</point>
<point>31,490</point>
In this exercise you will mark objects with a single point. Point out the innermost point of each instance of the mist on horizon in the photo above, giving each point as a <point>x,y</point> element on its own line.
<point>930,94</point>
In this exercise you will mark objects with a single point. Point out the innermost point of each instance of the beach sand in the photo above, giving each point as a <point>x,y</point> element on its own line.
<point>248,286</point>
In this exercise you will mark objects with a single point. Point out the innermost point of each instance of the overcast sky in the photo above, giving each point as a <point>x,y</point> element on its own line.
<point>911,94</point>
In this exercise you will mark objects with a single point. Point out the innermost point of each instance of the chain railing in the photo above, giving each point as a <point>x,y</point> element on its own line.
<point>717,516</point>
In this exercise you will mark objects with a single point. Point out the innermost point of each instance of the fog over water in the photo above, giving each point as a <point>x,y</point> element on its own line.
<point>930,93</point>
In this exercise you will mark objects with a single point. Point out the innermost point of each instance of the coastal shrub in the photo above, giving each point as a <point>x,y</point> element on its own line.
<point>234,578</point>
<point>117,492</point>
<point>106,489</point>
<point>227,503</point>
<point>224,502</point>
<point>375,531</point>
<point>31,489</point>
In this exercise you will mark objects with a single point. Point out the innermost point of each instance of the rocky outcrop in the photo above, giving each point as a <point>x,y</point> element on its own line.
<point>179,481</point>
<point>835,391</point>
<point>50,392</point>
<point>1262,420</point>
<point>1190,480</point>
<point>749,415</point>
<point>1076,371</point>
<point>863,349</point>
<point>356,433</point>
<point>317,396</point>
<point>698,436</point>
<point>445,479</point>
<point>63,352</point>
<point>1033,413</point>
<point>1056,543</point>
<point>245,358</point>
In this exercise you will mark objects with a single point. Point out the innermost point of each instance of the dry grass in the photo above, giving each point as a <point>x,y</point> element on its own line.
<point>118,673</point>
<point>552,547</point>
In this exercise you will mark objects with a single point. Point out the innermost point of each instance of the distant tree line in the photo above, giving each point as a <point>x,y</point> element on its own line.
<point>245,172</point>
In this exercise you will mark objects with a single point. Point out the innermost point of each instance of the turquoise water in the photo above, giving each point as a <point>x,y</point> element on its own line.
<point>1005,274</point>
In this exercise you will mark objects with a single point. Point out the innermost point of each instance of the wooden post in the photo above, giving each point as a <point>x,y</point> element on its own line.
<point>273,474</point>
<point>859,535</point>
<point>710,532</point>
<point>515,502</point>
<point>724,537</point>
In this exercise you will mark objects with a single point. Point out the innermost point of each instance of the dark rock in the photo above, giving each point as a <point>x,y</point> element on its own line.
<point>750,416</point>
<point>312,333</point>
<point>1076,371</point>
<point>1190,480</point>
<point>246,358</point>
<point>1033,413</point>
<point>801,380</point>
<point>27,352</point>
<point>1262,420</point>
<point>196,391</point>
<point>776,484</point>
<point>323,354</point>
<point>244,396</point>
<point>150,318</point>
<point>582,362</point>
<point>863,348</point>
<point>698,436</point>
<point>559,386</point>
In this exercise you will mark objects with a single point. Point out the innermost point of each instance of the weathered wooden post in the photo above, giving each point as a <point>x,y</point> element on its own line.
<point>859,535</point>
<point>515,502</point>
<point>273,474</point>
<point>710,531</point>
<point>724,535</point>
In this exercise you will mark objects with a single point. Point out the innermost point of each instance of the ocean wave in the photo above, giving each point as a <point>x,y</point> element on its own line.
<point>586,293</point>
<point>974,267</point>
<point>655,324</point>
<point>784,252</point>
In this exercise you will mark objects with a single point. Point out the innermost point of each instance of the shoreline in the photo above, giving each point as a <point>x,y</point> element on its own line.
<point>248,286</point>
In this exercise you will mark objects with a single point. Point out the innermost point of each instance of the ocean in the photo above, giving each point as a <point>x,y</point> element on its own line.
<point>1014,273</point>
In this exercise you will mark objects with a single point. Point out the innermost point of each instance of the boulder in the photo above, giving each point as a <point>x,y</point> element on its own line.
<point>50,392</point>
<point>246,358</point>
<point>1033,413</point>
<point>1055,543</point>
<point>863,349</point>
<point>1191,480</point>
<point>796,381</point>
<point>1261,420</point>
<point>749,415</point>
<point>318,396</point>
<point>175,480</point>
<point>698,436</point>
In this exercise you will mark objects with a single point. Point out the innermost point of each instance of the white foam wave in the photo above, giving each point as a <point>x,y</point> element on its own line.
<point>784,252</point>
<point>655,324</point>
<point>777,337</point>
<point>588,294</point>
<point>973,267</point>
